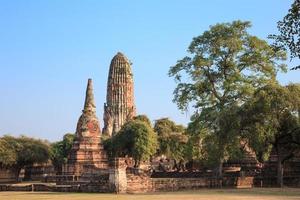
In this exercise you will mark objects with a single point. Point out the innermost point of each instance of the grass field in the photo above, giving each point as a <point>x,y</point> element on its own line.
<point>205,194</point>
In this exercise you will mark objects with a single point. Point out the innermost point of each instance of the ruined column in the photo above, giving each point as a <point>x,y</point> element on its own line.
<point>117,176</point>
<point>119,106</point>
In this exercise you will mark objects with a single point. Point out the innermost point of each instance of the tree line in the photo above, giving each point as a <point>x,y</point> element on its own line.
<point>17,153</point>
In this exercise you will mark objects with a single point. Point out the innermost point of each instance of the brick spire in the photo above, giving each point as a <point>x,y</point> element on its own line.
<point>87,152</point>
<point>89,104</point>
<point>88,124</point>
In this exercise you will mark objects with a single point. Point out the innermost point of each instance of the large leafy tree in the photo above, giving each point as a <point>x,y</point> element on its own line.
<point>135,139</point>
<point>270,123</point>
<point>143,118</point>
<point>289,29</point>
<point>223,69</point>
<point>172,141</point>
<point>60,150</point>
<point>201,145</point>
<point>22,152</point>
<point>8,155</point>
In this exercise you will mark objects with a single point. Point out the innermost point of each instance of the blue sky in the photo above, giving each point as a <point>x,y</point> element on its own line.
<point>48,50</point>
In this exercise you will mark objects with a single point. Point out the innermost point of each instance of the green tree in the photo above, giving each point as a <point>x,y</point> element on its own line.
<point>202,142</point>
<point>27,151</point>
<point>289,28</point>
<point>196,150</point>
<point>60,150</point>
<point>143,118</point>
<point>172,141</point>
<point>135,139</point>
<point>8,155</point>
<point>271,122</point>
<point>225,66</point>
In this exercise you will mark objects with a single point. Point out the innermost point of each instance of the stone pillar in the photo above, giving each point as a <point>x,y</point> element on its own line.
<point>117,176</point>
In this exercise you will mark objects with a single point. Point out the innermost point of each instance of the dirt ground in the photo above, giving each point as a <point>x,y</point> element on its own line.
<point>203,194</point>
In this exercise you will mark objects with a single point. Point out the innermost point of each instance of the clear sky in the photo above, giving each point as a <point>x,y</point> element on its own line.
<point>48,50</point>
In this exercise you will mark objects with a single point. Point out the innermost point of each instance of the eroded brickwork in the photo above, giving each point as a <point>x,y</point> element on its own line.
<point>119,106</point>
<point>87,155</point>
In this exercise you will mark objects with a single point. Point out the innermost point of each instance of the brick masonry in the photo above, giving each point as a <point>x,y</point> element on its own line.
<point>87,155</point>
<point>119,106</point>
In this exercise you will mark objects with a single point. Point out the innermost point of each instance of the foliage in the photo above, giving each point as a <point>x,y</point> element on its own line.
<point>225,66</point>
<point>207,146</point>
<point>171,138</point>
<point>289,29</point>
<point>143,118</point>
<point>265,115</point>
<point>270,122</point>
<point>19,152</point>
<point>59,151</point>
<point>8,155</point>
<point>165,126</point>
<point>136,139</point>
<point>195,145</point>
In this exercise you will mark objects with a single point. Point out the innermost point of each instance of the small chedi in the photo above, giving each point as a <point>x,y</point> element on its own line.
<point>119,106</point>
<point>87,154</point>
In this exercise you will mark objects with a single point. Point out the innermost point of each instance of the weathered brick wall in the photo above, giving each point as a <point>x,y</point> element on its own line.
<point>140,182</point>
<point>175,184</point>
<point>7,175</point>
<point>39,172</point>
<point>117,176</point>
<point>271,181</point>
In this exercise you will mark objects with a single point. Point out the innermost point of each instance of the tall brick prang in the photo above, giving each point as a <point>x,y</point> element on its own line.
<point>119,106</point>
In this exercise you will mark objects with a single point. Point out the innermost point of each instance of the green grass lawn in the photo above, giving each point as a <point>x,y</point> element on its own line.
<point>207,194</point>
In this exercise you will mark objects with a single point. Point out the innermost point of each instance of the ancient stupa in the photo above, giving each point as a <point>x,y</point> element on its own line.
<point>119,106</point>
<point>87,154</point>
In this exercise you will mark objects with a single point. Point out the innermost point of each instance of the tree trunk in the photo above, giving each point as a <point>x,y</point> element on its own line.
<point>220,173</point>
<point>27,173</point>
<point>279,172</point>
<point>17,173</point>
<point>176,166</point>
<point>58,169</point>
<point>136,163</point>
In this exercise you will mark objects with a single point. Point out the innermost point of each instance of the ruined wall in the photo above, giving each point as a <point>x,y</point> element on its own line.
<point>39,172</point>
<point>117,176</point>
<point>141,183</point>
<point>7,175</point>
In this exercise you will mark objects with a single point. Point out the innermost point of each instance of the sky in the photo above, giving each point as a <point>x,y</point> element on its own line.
<point>49,49</point>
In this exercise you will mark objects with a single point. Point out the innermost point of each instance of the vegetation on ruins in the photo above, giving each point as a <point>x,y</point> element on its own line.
<point>289,28</point>
<point>225,66</point>
<point>59,151</point>
<point>136,139</point>
<point>270,122</point>
<point>172,141</point>
<point>19,152</point>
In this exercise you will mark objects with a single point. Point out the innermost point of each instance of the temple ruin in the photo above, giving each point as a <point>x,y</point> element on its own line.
<point>119,106</point>
<point>87,154</point>
<point>88,168</point>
